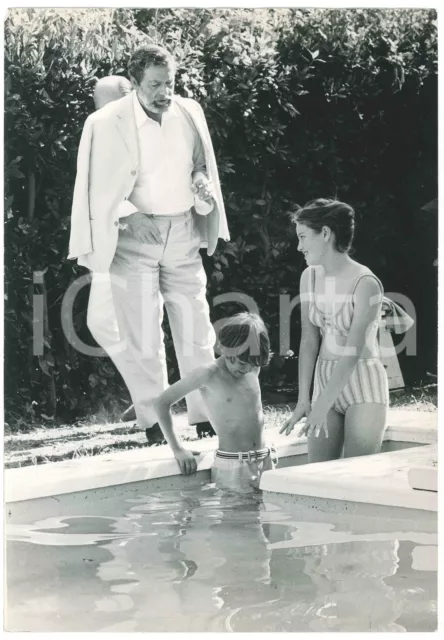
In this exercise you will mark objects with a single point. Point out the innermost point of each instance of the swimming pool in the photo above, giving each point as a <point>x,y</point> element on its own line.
<point>198,559</point>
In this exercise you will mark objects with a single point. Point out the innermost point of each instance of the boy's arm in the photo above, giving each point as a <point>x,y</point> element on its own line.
<point>162,405</point>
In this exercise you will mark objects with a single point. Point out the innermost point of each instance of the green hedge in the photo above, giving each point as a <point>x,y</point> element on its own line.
<point>301,103</point>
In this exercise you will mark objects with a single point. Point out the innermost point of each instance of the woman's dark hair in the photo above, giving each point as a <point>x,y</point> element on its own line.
<point>147,56</point>
<point>246,337</point>
<point>326,212</point>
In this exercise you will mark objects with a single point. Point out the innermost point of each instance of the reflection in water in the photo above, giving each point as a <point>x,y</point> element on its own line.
<point>208,560</point>
<point>343,571</point>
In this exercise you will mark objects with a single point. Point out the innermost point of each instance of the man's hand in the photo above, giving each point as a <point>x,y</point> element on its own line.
<point>202,187</point>
<point>187,461</point>
<point>143,228</point>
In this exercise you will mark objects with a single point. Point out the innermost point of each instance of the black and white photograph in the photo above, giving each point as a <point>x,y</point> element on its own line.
<point>220,301</point>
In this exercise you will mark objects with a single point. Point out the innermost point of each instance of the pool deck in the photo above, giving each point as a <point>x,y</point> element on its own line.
<point>138,465</point>
<point>381,479</point>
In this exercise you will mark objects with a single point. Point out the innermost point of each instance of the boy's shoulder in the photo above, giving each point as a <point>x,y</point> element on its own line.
<point>205,374</point>
<point>213,370</point>
<point>213,373</point>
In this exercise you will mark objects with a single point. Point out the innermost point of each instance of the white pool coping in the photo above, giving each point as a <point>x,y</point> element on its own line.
<point>423,478</point>
<point>381,479</point>
<point>123,467</point>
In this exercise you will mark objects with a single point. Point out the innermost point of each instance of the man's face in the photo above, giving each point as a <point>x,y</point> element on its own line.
<point>156,88</point>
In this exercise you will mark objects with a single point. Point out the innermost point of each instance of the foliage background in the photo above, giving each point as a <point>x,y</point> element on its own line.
<point>301,103</point>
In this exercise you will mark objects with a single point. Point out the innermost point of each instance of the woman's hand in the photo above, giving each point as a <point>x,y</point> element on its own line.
<point>302,409</point>
<point>316,421</point>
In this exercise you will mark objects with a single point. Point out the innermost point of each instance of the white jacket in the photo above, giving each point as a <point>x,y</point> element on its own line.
<point>107,169</point>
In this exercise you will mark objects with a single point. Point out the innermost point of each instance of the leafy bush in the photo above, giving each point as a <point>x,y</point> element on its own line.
<point>300,102</point>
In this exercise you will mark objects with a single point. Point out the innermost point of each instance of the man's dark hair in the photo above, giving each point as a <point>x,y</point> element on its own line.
<point>147,56</point>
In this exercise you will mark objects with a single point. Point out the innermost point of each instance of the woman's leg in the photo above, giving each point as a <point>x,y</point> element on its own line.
<point>364,428</point>
<point>321,448</point>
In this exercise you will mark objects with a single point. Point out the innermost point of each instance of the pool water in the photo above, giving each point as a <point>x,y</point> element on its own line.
<point>204,560</point>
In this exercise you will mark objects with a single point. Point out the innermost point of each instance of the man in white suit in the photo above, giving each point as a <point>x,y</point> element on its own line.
<point>146,199</point>
<point>101,318</point>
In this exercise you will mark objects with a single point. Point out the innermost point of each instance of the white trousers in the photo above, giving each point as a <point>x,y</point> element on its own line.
<point>125,313</point>
<point>101,315</point>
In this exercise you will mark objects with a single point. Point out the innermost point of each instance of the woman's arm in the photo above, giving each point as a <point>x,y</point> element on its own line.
<point>308,351</point>
<point>310,339</point>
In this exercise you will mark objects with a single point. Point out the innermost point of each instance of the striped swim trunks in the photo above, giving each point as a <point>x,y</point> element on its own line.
<point>367,383</point>
<point>242,471</point>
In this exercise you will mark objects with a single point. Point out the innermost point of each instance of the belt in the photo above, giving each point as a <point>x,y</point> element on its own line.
<point>172,216</point>
<point>177,216</point>
<point>255,454</point>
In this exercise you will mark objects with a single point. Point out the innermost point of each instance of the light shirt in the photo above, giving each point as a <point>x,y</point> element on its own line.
<point>169,154</point>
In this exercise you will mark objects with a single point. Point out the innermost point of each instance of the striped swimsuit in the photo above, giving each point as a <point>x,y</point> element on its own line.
<point>368,381</point>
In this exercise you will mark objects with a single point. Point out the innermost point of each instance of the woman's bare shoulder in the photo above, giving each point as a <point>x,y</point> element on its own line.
<point>357,269</point>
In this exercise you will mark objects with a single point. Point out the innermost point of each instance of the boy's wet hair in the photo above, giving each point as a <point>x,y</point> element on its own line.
<point>245,336</point>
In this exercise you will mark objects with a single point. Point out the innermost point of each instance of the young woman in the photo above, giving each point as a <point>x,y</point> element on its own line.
<point>340,311</point>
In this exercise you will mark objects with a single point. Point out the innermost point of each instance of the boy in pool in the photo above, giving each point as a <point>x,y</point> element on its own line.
<point>231,393</point>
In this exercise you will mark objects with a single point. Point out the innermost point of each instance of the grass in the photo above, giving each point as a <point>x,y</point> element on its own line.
<point>422,398</point>
<point>101,434</point>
